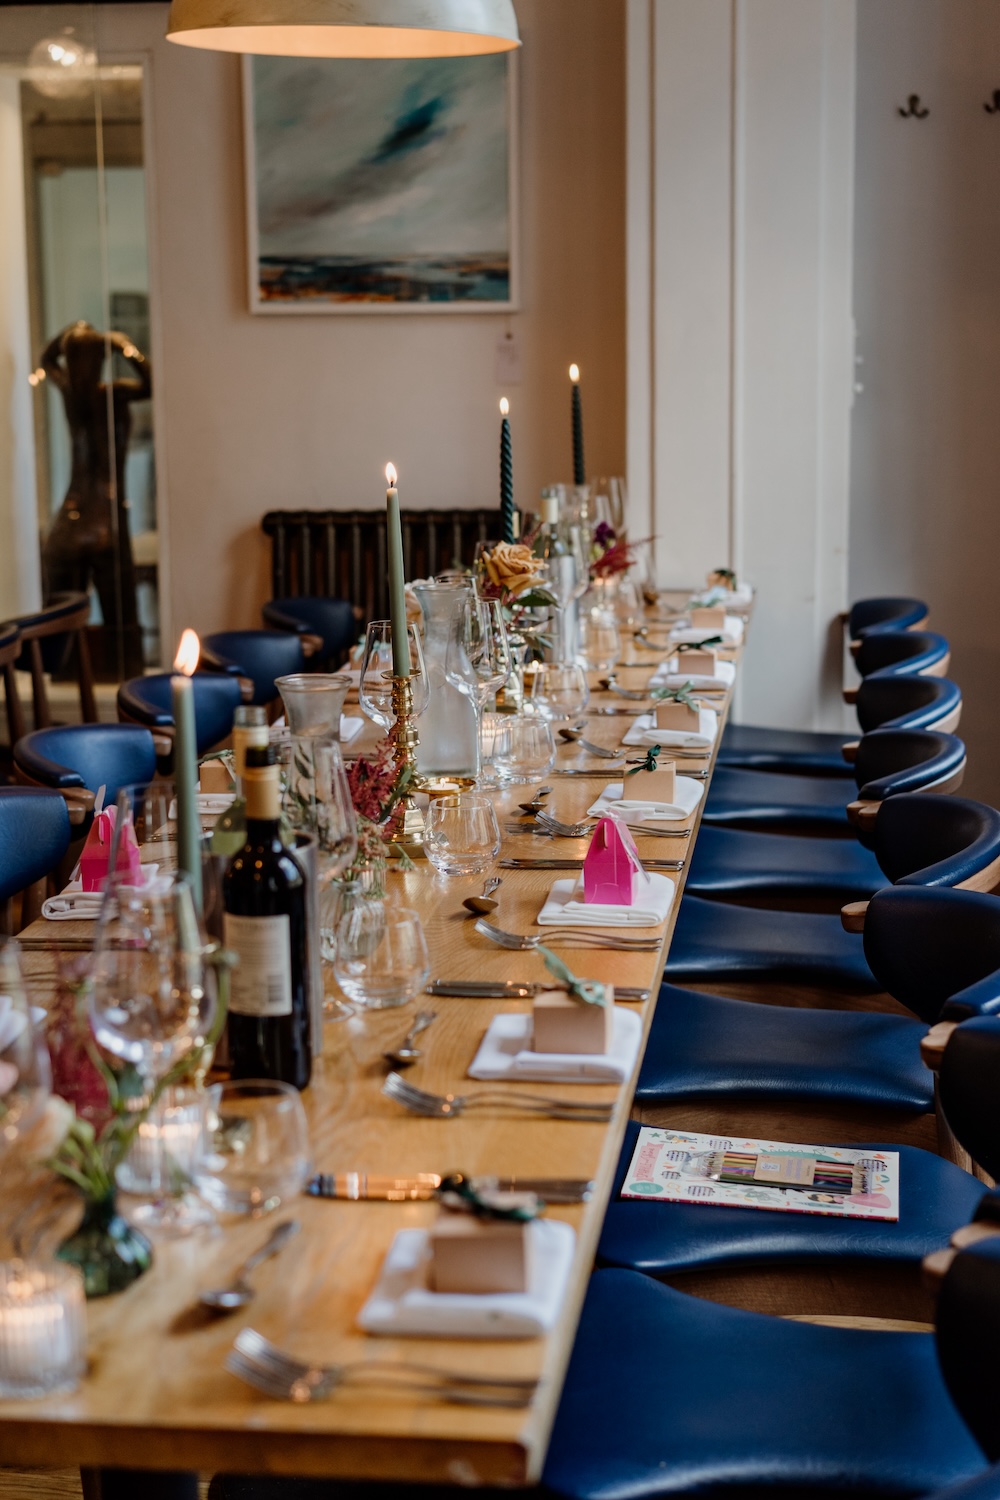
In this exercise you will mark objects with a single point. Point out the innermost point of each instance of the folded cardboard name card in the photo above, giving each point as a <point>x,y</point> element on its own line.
<point>479,1256</point>
<point>671,714</point>
<point>660,785</point>
<point>700,661</point>
<point>708,617</point>
<point>563,1024</point>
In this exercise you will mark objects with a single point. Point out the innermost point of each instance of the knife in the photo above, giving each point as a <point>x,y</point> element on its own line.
<point>577,864</point>
<point>509,989</point>
<point>422,1186</point>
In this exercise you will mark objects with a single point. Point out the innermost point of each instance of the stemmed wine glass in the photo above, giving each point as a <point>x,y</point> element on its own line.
<point>375,685</point>
<point>152,1001</point>
<point>479,662</point>
<point>25,1074</point>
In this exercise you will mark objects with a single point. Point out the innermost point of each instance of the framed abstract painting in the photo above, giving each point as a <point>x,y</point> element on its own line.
<point>381,186</point>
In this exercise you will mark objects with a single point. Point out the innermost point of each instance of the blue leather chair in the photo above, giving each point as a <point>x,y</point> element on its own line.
<point>332,620</point>
<point>261,656</point>
<point>898,653</point>
<point>937,951</point>
<point>34,836</point>
<point>669,1395</point>
<point>873,616</point>
<point>967,1326</point>
<point>908,702</point>
<point>148,701</point>
<point>927,841</point>
<point>77,759</point>
<point>887,762</point>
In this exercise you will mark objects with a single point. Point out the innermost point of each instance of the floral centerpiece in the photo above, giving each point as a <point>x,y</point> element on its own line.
<point>378,790</point>
<point>514,574</point>
<point>611,552</point>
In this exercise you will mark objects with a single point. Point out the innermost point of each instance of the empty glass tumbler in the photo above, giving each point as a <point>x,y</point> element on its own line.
<point>461,834</point>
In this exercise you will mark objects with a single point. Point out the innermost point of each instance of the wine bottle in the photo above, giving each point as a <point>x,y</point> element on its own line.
<point>264,897</point>
<point>230,831</point>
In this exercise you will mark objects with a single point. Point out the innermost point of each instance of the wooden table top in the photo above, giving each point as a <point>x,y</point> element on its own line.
<point>156,1394</point>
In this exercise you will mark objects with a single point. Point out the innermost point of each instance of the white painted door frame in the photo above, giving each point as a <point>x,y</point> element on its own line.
<point>740,339</point>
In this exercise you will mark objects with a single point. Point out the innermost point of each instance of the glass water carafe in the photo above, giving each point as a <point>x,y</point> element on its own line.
<point>449,743</point>
<point>314,701</point>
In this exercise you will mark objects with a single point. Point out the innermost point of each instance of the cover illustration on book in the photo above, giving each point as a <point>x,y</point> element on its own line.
<point>678,1166</point>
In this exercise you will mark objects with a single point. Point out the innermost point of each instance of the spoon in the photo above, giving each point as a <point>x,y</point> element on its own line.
<point>481,905</point>
<point>576,736</point>
<point>228,1299</point>
<point>535,803</point>
<point>406,1053</point>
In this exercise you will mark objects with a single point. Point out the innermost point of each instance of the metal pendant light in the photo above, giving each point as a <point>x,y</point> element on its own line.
<point>346,28</point>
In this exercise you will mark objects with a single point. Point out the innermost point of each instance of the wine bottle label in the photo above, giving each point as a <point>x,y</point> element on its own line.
<point>261,982</point>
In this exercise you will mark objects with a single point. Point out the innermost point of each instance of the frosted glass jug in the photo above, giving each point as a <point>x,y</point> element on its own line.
<point>449,744</point>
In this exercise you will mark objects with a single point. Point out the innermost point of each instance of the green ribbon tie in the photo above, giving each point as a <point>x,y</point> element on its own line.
<point>587,991</point>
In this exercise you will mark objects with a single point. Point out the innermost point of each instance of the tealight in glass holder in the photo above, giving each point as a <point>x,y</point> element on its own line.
<point>43,1328</point>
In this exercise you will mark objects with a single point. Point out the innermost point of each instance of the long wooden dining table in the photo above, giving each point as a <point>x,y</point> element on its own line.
<point>156,1394</point>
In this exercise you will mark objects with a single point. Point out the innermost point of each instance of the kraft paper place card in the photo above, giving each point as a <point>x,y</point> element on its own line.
<point>562,1024</point>
<point>708,617</point>
<point>653,786</point>
<point>670,714</point>
<point>479,1256</point>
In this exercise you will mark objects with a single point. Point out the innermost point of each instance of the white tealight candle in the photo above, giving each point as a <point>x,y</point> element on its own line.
<point>42,1328</point>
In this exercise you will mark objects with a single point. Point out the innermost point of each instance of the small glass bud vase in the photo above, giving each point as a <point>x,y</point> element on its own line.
<point>43,1328</point>
<point>106,1249</point>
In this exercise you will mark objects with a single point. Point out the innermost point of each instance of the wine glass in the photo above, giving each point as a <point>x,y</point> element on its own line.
<point>478,660</point>
<point>524,751</point>
<point>151,1000</point>
<point>375,685</point>
<point>559,690</point>
<point>382,959</point>
<point>25,1073</point>
<point>599,641</point>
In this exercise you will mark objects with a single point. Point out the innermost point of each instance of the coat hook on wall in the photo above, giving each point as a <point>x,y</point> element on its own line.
<point>994,108</point>
<point>913,110</point>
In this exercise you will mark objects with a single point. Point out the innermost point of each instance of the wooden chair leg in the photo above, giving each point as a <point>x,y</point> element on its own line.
<point>15,713</point>
<point>39,696</point>
<point>88,704</point>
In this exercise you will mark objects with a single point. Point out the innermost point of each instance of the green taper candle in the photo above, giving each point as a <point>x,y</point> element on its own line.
<point>186,764</point>
<point>397,584</point>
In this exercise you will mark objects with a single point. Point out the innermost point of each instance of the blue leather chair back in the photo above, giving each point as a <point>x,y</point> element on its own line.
<point>261,655</point>
<point>898,652</point>
<point>34,836</point>
<point>88,755</point>
<point>331,619</point>
<point>935,950</point>
<point>907,702</point>
<point>891,761</point>
<point>148,700</point>
<point>967,1334</point>
<point>967,1089</point>
<point>870,616</point>
<point>922,839</point>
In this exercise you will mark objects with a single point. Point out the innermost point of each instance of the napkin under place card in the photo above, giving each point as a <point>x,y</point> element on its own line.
<point>671,674</point>
<point>565,906</point>
<point>403,1304</point>
<point>614,802</point>
<point>74,904</point>
<point>643,731</point>
<point>506,1052</point>
<point>731,633</point>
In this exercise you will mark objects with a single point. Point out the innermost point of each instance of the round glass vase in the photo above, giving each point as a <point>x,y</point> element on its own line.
<point>109,1252</point>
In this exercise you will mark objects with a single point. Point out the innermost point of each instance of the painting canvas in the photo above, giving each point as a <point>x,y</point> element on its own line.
<point>380,185</point>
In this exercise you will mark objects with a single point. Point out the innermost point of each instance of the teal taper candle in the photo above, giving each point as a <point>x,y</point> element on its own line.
<point>579,467</point>
<point>506,477</point>
<point>186,764</point>
<point>397,586</point>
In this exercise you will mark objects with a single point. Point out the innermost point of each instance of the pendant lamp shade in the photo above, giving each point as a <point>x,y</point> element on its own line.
<point>346,28</point>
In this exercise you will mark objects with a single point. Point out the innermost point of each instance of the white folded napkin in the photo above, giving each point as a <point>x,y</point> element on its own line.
<point>565,906</point>
<point>731,632</point>
<point>671,674</point>
<point>210,805</point>
<point>505,1052</point>
<point>350,727</point>
<point>12,1023</point>
<point>643,731</point>
<point>612,801</point>
<point>401,1302</point>
<point>74,904</point>
<point>738,598</point>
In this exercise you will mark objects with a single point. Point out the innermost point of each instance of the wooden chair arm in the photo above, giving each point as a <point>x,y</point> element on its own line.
<point>935,1267</point>
<point>933,1044</point>
<point>850,751</point>
<point>246,688</point>
<point>852,916</point>
<point>312,645</point>
<point>850,695</point>
<point>79,804</point>
<point>863,814</point>
<point>163,742</point>
<point>971,1234</point>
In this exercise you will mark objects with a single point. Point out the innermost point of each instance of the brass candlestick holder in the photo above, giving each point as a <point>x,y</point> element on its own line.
<point>412,837</point>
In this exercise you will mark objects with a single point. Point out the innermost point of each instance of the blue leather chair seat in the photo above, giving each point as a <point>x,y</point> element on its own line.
<point>809,804</point>
<point>703,1045</point>
<point>149,701</point>
<point>331,619</point>
<point>87,755</point>
<point>791,750</point>
<point>666,1239</point>
<point>873,616</point>
<point>712,939</point>
<point>34,836</point>
<point>726,861</point>
<point>261,655</point>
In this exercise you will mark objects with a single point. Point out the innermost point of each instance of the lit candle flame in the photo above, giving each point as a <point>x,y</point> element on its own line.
<point>188,653</point>
<point>574,373</point>
<point>390,475</point>
<point>504,406</point>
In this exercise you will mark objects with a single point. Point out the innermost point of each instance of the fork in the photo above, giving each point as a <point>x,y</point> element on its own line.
<point>261,1364</point>
<point>580,830</point>
<point>578,936</point>
<point>448,1106</point>
<point>572,737</point>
